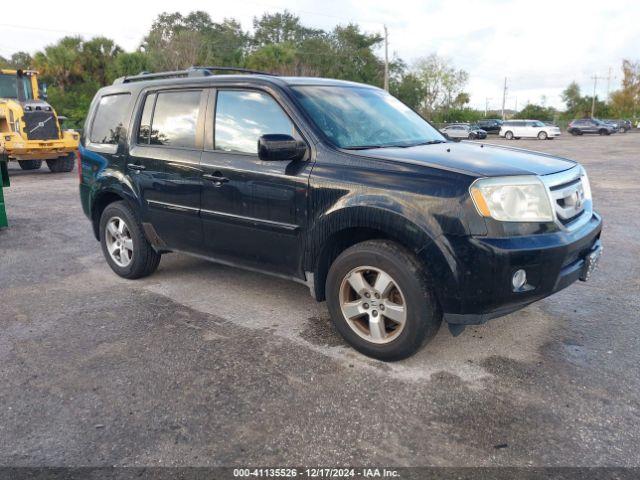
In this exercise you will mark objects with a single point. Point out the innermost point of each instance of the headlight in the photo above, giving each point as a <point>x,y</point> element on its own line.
<point>512,199</point>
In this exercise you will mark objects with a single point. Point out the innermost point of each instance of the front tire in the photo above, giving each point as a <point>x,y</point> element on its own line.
<point>508,135</point>
<point>30,164</point>
<point>124,245</point>
<point>380,301</point>
<point>62,164</point>
<point>542,136</point>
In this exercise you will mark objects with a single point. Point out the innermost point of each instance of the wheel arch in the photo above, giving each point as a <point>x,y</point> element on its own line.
<point>349,226</point>
<point>104,197</point>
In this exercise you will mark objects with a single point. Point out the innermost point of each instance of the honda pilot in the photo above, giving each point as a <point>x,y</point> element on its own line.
<point>338,186</point>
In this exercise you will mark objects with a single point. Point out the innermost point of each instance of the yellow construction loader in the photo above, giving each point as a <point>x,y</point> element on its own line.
<point>30,130</point>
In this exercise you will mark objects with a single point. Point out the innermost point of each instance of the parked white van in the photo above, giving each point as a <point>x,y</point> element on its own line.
<point>528,129</point>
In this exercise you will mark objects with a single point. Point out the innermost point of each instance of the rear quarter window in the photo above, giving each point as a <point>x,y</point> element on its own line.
<point>174,120</point>
<point>109,119</point>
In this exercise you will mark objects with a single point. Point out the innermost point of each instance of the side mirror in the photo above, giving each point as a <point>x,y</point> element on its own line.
<point>279,147</point>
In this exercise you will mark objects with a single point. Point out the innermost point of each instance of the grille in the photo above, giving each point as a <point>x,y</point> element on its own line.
<point>40,125</point>
<point>567,195</point>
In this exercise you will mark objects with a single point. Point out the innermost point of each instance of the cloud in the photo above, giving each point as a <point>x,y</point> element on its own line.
<point>540,46</point>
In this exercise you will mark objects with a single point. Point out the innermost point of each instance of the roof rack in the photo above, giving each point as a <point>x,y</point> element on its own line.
<point>195,71</point>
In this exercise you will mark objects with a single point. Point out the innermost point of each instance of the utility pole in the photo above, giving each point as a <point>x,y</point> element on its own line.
<point>504,96</point>
<point>516,109</point>
<point>386,59</point>
<point>593,99</point>
<point>486,106</point>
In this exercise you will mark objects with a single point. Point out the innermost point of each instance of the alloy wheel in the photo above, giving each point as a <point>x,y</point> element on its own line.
<point>119,241</point>
<point>373,305</point>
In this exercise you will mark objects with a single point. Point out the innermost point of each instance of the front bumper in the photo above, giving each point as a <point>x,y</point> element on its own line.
<point>20,149</point>
<point>552,261</point>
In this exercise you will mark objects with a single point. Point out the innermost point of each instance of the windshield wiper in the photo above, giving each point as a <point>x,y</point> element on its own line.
<point>400,145</point>
<point>430,142</point>
<point>367,147</point>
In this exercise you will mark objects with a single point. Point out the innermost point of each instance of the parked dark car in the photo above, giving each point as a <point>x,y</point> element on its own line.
<point>621,125</point>
<point>490,125</point>
<point>590,125</point>
<point>338,186</point>
<point>464,131</point>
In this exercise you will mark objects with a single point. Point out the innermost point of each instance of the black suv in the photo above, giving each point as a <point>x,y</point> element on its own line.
<point>490,125</point>
<point>338,186</point>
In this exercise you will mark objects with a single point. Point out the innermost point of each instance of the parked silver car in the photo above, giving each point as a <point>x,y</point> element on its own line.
<point>463,130</point>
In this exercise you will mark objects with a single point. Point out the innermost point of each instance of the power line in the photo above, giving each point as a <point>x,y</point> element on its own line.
<point>52,30</point>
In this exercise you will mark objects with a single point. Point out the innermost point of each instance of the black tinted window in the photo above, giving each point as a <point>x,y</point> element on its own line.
<point>243,116</point>
<point>109,119</point>
<point>144,132</point>
<point>175,118</point>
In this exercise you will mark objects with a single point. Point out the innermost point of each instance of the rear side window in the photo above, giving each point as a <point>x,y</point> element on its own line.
<point>109,119</point>
<point>244,116</point>
<point>170,119</point>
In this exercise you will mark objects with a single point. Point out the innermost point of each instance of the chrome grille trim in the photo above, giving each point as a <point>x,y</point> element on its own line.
<point>566,194</point>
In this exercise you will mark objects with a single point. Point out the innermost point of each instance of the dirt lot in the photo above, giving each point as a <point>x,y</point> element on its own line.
<point>206,365</point>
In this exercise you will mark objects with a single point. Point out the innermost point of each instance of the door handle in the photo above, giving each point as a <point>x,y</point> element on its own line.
<point>135,166</point>
<point>216,178</point>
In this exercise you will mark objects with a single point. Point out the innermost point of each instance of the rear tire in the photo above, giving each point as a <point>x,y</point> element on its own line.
<point>62,164</point>
<point>30,164</point>
<point>413,313</point>
<point>140,259</point>
<point>508,135</point>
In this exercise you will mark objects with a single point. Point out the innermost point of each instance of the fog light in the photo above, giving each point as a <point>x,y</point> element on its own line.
<point>518,280</point>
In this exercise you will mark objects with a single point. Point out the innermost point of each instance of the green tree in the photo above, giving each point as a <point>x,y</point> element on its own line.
<point>409,89</point>
<point>275,58</point>
<point>626,101</point>
<point>176,41</point>
<point>129,64</point>
<point>281,28</point>
<point>17,60</point>
<point>352,56</point>
<point>225,44</point>
<point>572,97</point>
<point>442,84</point>
<point>537,112</point>
<point>97,58</point>
<point>61,63</point>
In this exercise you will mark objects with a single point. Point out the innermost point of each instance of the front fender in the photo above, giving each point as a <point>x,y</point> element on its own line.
<point>391,220</point>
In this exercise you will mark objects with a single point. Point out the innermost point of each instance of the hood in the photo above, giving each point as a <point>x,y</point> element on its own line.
<point>475,158</point>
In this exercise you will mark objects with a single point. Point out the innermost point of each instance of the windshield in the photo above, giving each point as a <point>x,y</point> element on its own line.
<point>361,117</point>
<point>9,86</point>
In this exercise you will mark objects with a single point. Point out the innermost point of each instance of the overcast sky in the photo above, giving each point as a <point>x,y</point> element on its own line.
<point>539,45</point>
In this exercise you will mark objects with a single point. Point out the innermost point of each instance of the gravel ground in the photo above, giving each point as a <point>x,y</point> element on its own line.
<point>206,365</point>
